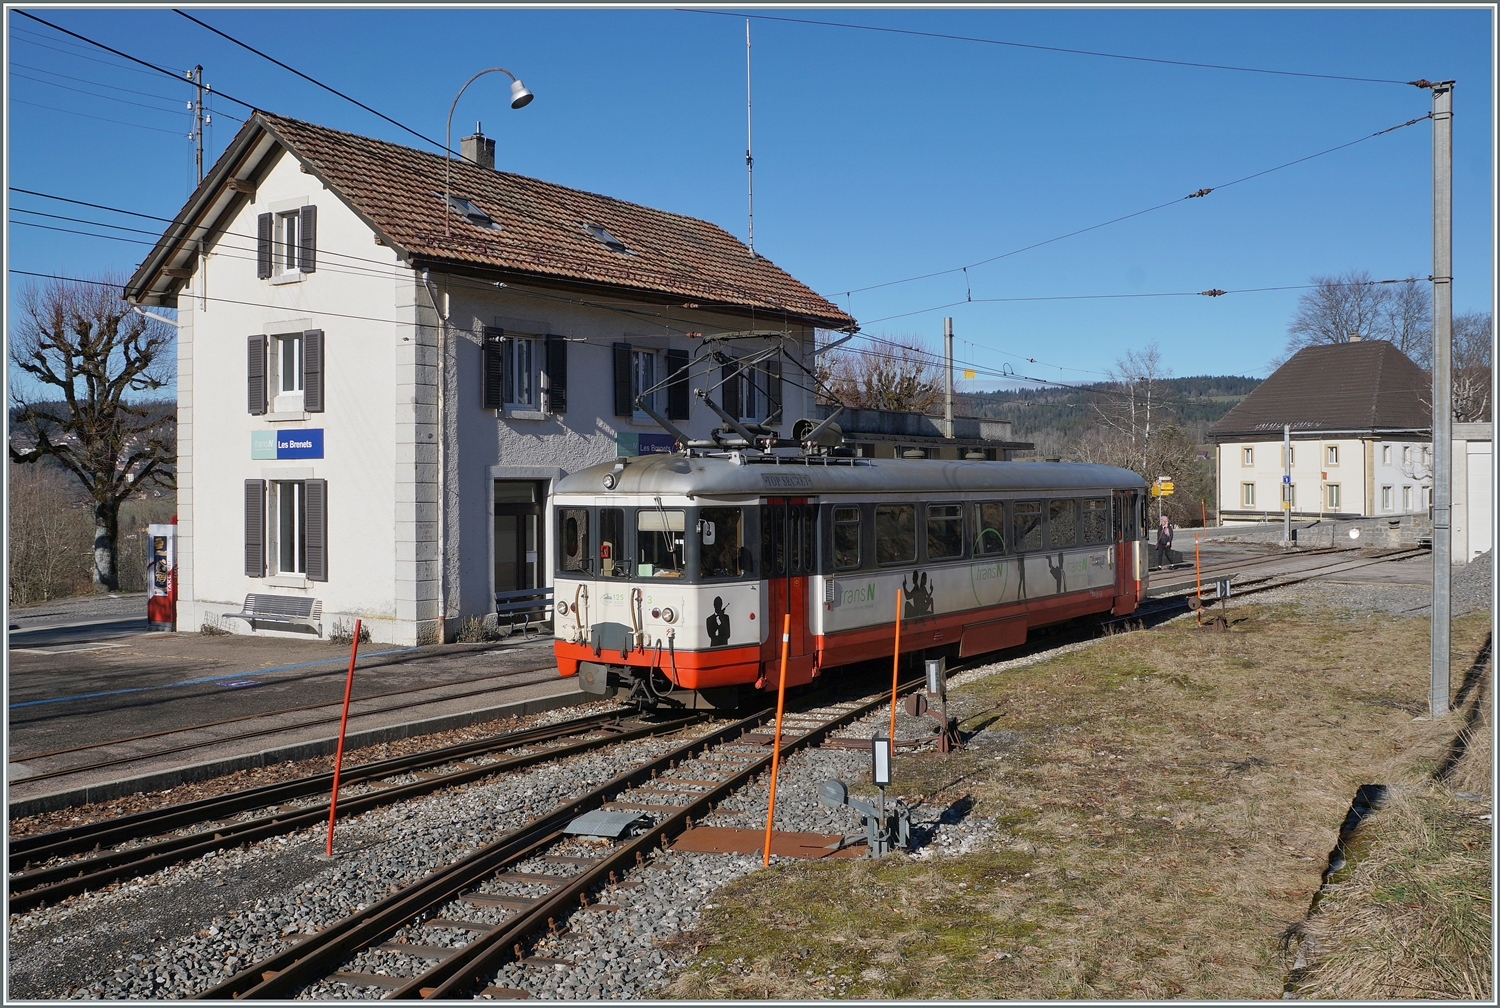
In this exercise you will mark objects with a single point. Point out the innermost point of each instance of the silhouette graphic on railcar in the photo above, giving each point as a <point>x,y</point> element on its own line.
<point>718,624</point>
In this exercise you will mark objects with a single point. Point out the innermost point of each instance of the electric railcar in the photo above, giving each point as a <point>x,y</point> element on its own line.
<point>676,571</point>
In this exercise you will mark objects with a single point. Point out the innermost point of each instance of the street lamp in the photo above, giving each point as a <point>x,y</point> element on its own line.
<point>519,98</point>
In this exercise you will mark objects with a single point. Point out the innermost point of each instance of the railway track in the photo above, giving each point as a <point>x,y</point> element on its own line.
<point>447,955</point>
<point>332,719</point>
<point>34,887</point>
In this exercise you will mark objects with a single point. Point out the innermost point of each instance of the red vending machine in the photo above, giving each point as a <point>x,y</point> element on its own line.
<point>161,580</point>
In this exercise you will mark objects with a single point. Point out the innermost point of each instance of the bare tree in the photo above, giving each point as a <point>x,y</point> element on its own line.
<point>49,536</point>
<point>81,360</point>
<point>1473,335</point>
<point>899,374</point>
<point>1172,451</point>
<point>1137,390</point>
<point>1355,305</point>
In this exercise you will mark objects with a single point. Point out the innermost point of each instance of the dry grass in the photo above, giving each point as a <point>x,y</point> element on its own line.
<point>1165,817</point>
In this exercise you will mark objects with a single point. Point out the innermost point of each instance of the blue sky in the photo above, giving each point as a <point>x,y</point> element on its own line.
<point>878,156</point>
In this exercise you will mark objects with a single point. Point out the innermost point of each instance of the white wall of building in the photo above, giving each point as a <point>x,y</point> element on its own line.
<point>1362,470</point>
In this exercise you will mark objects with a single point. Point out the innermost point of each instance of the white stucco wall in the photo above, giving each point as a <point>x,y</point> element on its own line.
<point>1360,472</point>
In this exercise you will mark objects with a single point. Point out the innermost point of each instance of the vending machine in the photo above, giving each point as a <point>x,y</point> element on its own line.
<point>161,577</point>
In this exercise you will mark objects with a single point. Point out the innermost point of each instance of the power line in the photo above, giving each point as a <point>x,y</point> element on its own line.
<point>85,115</point>
<point>84,80</point>
<point>70,52</point>
<point>94,94</point>
<point>132,59</point>
<point>1058,49</point>
<point>1198,194</point>
<point>311,80</point>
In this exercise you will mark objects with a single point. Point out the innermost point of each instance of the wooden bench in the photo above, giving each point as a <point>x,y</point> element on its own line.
<point>286,609</point>
<point>526,603</point>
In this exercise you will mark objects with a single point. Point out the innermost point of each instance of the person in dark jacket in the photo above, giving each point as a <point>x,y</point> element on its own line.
<point>1164,543</point>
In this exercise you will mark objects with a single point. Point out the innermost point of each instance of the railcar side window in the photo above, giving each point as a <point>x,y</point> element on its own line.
<point>945,531</point>
<point>846,553</point>
<point>1096,521</point>
<point>773,540</point>
<point>896,533</point>
<point>573,540</point>
<point>1063,521</point>
<point>613,560</point>
<point>659,538</point>
<point>990,539</point>
<point>721,550</point>
<point>1028,529</point>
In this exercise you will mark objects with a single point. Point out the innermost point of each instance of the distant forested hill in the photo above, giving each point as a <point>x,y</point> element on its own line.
<point>1055,417</point>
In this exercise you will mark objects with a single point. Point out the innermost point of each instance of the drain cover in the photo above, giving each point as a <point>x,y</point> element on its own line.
<point>602,823</point>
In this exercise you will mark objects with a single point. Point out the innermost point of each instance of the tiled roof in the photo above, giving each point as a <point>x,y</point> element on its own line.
<point>1367,385</point>
<point>400,189</point>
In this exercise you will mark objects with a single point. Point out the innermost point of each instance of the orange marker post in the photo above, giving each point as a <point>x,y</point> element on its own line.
<point>338,757</point>
<point>895,671</point>
<point>1198,576</point>
<point>786,640</point>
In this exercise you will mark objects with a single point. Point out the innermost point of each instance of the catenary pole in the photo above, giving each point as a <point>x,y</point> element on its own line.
<point>1442,388</point>
<point>197,76</point>
<point>1286,485</point>
<point>948,377</point>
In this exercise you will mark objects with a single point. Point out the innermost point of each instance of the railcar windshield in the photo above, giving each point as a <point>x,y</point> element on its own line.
<point>660,542</point>
<point>652,541</point>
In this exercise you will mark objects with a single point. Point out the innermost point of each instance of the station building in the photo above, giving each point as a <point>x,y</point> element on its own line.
<point>378,385</point>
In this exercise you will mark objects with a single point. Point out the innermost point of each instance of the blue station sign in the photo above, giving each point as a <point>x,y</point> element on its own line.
<point>304,443</point>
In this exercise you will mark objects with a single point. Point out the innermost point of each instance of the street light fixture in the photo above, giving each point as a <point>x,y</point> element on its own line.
<point>520,97</point>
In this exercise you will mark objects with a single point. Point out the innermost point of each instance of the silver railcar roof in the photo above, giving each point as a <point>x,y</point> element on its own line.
<point>721,477</point>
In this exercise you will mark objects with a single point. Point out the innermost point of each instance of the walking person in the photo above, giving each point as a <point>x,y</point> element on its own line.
<point>1164,542</point>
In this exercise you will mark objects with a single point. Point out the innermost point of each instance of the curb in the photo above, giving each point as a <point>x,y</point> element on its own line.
<point>161,780</point>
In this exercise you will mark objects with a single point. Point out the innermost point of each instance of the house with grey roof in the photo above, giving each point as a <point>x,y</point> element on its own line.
<point>383,369</point>
<point>1361,438</point>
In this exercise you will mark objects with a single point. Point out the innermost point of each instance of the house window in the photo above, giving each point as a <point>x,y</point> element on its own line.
<point>1288,459</point>
<point>286,241</point>
<point>1247,495</point>
<point>1335,497</point>
<point>1406,455</point>
<point>290,523</point>
<point>1332,452</point>
<point>521,359</point>
<point>1385,454</point>
<point>471,213</point>
<point>1387,498</point>
<point>1291,494</point>
<point>288,377</point>
<point>1406,499</point>
<point>643,369</point>
<point>1247,456</point>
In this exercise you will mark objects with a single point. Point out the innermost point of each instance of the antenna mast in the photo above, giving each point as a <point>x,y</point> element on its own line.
<point>749,158</point>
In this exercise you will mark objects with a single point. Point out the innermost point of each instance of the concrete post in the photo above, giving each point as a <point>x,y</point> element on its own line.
<point>1442,388</point>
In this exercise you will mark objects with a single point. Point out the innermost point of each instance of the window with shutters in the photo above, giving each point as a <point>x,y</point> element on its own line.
<point>288,524</point>
<point>644,367</point>
<point>288,372</point>
<point>522,374</point>
<point>286,251</point>
<point>754,393</point>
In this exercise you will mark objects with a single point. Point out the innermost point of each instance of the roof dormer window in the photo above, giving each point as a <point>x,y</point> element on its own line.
<point>606,239</point>
<point>471,213</point>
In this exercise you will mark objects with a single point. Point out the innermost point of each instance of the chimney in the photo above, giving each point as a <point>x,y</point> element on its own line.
<point>1353,337</point>
<point>478,148</point>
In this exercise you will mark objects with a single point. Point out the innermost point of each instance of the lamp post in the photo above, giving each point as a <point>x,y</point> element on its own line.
<point>519,98</point>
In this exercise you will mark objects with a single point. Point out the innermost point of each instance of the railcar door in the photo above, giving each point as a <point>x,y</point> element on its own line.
<point>787,554</point>
<point>1125,532</point>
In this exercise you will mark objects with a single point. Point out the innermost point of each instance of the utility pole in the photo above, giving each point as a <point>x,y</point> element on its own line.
<point>1442,389</point>
<point>749,158</point>
<point>196,76</point>
<point>1286,485</point>
<point>948,377</point>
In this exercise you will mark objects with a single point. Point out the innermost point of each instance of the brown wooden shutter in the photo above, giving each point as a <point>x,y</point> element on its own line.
<point>265,226</point>
<point>493,368</point>
<point>772,369</point>
<point>312,370</point>
<point>729,392</point>
<point>677,385</point>
<point>557,375</point>
<point>255,375</point>
<point>317,529</point>
<point>624,404</point>
<point>255,528</point>
<point>307,240</point>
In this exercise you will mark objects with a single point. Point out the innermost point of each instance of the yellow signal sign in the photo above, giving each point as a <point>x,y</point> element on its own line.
<point>968,372</point>
<point>1162,490</point>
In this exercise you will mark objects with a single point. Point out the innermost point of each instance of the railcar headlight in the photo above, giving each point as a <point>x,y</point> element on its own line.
<point>669,615</point>
<point>609,481</point>
<point>562,608</point>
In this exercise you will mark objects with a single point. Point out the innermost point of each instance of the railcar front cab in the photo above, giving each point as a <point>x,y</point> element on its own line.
<point>661,593</point>
<point>655,594</point>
